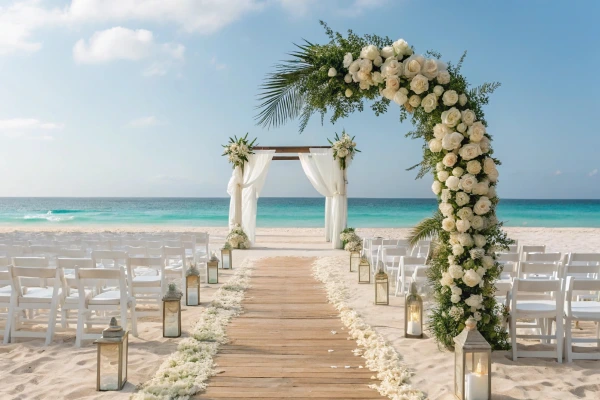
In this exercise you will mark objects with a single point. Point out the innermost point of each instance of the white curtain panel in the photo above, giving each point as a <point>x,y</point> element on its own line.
<point>255,174</point>
<point>339,207</point>
<point>234,189</point>
<point>319,168</point>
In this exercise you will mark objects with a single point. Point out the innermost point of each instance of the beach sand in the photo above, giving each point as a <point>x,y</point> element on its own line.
<point>30,370</point>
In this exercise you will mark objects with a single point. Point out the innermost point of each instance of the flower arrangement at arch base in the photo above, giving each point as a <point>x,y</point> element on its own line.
<point>237,238</point>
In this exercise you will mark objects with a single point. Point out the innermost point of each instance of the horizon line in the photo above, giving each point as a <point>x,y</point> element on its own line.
<point>268,197</point>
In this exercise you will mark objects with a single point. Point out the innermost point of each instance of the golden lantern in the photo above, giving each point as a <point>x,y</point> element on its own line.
<point>364,270</point>
<point>172,312</point>
<point>382,287</point>
<point>112,358</point>
<point>354,261</point>
<point>472,364</point>
<point>192,286</point>
<point>212,269</point>
<point>413,314</point>
<point>226,257</point>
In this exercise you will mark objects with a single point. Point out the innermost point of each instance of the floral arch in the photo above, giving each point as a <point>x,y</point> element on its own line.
<point>337,78</point>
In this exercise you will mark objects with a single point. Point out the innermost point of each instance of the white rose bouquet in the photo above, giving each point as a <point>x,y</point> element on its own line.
<point>238,150</point>
<point>350,240</point>
<point>344,148</point>
<point>237,238</point>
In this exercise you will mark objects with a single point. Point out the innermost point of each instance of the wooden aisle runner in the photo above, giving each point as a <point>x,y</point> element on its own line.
<point>280,347</point>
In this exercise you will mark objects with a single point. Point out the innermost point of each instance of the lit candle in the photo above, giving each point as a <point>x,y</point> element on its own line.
<point>414,322</point>
<point>476,385</point>
<point>192,296</point>
<point>110,382</point>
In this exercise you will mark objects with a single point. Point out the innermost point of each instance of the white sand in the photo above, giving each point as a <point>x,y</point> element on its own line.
<point>30,370</point>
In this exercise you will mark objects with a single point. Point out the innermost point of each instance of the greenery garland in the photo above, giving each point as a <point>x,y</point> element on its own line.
<point>447,114</point>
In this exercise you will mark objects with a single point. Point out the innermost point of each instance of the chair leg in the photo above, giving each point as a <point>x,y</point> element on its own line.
<point>568,340</point>
<point>9,323</point>
<point>64,314</point>
<point>133,319</point>
<point>513,336</point>
<point>51,325</point>
<point>559,339</point>
<point>80,320</point>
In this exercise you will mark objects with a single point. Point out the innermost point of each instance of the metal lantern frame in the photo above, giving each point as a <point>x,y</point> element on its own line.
<point>364,271</point>
<point>212,265</point>
<point>172,297</point>
<point>227,252</point>
<point>354,261</point>
<point>413,299</point>
<point>192,284</point>
<point>381,278</point>
<point>469,344</point>
<point>114,335</point>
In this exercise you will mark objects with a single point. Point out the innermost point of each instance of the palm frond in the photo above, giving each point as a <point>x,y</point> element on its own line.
<point>428,228</point>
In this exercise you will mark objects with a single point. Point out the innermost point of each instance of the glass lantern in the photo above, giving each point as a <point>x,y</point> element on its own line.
<point>172,312</point>
<point>413,314</point>
<point>192,287</point>
<point>112,358</point>
<point>212,269</point>
<point>226,257</point>
<point>382,287</point>
<point>472,364</point>
<point>364,271</point>
<point>354,261</point>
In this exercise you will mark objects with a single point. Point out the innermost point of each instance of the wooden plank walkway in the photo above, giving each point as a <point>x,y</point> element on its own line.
<point>280,347</point>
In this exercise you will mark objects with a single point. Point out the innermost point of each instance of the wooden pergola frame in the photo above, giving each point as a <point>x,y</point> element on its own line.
<point>288,150</point>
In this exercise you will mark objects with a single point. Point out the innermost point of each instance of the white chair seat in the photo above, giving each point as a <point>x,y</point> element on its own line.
<point>5,294</point>
<point>541,308</point>
<point>111,297</point>
<point>147,280</point>
<point>585,310</point>
<point>36,295</point>
<point>73,297</point>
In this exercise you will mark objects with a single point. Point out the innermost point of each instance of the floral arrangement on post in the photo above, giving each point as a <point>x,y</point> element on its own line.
<point>237,238</point>
<point>351,241</point>
<point>238,150</point>
<point>193,270</point>
<point>448,116</point>
<point>344,148</point>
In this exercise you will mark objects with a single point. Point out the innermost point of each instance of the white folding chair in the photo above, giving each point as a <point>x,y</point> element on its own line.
<point>146,277</point>
<point>581,311</point>
<point>69,265</point>
<point>110,258</point>
<point>189,244</point>
<point>5,293</point>
<point>98,307</point>
<point>391,260</point>
<point>34,298</point>
<point>202,246</point>
<point>421,249</point>
<point>509,263</point>
<point>136,251</point>
<point>71,253</point>
<point>175,264</point>
<point>529,301</point>
<point>531,249</point>
<point>538,270</point>
<point>408,265</point>
<point>582,266</point>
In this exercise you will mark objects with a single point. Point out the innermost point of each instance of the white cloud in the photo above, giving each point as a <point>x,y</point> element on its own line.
<point>593,172</point>
<point>28,128</point>
<point>218,66</point>
<point>558,172</point>
<point>144,122</point>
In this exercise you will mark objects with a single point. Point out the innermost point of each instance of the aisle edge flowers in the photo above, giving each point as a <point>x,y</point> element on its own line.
<point>185,372</point>
<point>379,356</point>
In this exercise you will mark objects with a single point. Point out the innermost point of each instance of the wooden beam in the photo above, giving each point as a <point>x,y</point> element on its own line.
<point>290,149</point>
<point>281,158</point>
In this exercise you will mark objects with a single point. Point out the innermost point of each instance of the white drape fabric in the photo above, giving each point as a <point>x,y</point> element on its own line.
<point>234,189</point>
<point>327,178</point>
<point>255,174</point>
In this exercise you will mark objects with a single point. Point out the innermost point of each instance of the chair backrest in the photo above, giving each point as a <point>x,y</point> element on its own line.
<point>99,256</point>
<point>394,252</point>
<point>504,258</point>
<point>589,271</point>
<point>527,268</point>
<point>155,263</point>
<point>43,250</point>
<point>89,278</point>
<point>583,258</point>
<point>136,251</point>
<point>31,262</point>
<point>72,253</point>
<point>72,263</point>
<point>154,244</point>
<point>543,257</point>
<point>202,241</point>
<point>539,286</point>
<point>20,276</point>
<point>174,253</point>
<point>532,249</point>
<point>390,242</point>
<point>12,250</point>
<point>5,261</point>
<point>513,248</point>
<point>588,285</point>
<point>410,260</point>
<point>502,288</point>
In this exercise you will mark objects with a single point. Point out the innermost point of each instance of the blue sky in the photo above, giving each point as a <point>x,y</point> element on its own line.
<point>134,98</point>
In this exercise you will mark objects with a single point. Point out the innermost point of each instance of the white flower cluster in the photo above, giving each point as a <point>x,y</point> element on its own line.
<point>344,149</point>
<point>352,240</point>
<point>185,372</point>
<point>237,238</point>
<point>237,154</point>
<point>378,354</point>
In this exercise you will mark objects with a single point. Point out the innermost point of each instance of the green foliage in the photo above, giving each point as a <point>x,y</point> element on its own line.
<point>238,150</point>
<point>427,228</point>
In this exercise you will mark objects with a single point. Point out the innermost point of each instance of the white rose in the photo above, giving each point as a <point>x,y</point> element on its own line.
<point>457,250</point>
<point>462,128</point>
<point>467,182</point>
<point>479,240</point>
<point>438,90</point>
<point>455,298</point>
<point>400,98</point>
<point>491,192</point>
<point>442,175</point>
<point>429,102</point>
<point>347,60</point>
<point>436,187</point>
<point>439,166</point>
<point>440,130</point>
<point>354,67</point>
<point>489,165</point>
<point>430,69</point>
<point>412,67</point>
<point>443,77</point>
<point>458,171</point>
<point>493,176</point>
<point>392,83</point>
<point>474,301</point>
<point>482,206</point>
<point>446,209</point>
<point>348,78</point>
<point>435,145</point>
<point>388,93</point>
<point>487,261</point>
<point>471,278</point>
<point>446,195</point>
<point>477,316</point>
<point>481,189</point>
<point>448,224</point>
<point>378,61</point>
<point>391,67</point>
<point>451,260</point>
<point>452,183</point>
<point>477,223</point>
<point>465,213</point>
<point>462,225</point>
<point>476,131</point>
<point>348,93</point>
<point>469,151</point>
<point>332,72</point>
<point>474,167</point>
<point>456,290</point>
<point>452,141</point>
<point>450,98</point>
<point>456,271</point>
<point>414,100</point>
<point>387,52</point>
<point>453,239</point>
<point>419,84</point>
<point>465,240</point>
<point>401,47</point>
<point>370,52</point>
<point>450,159</point>
<point>462,198</point>
<point>446,280</point>
<point>377,78</point>
<point>484,144</point>
<point>366,66</point>
<point>451,117</point>
<point>468,117</point>
<point>462,99</point>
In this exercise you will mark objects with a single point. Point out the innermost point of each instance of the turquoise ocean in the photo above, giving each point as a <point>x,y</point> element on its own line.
<point>274,212</point>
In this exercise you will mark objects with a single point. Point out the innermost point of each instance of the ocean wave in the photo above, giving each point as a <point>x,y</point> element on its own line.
<point>49,216</point>
<point>68,211</point>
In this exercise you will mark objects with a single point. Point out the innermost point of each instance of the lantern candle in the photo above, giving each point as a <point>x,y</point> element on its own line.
<point>172,312</point>
<point>212,269</point>
<point>112,352</point>
<point>476,384</point>
<point>414,323</point>
<point>192,286</point>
